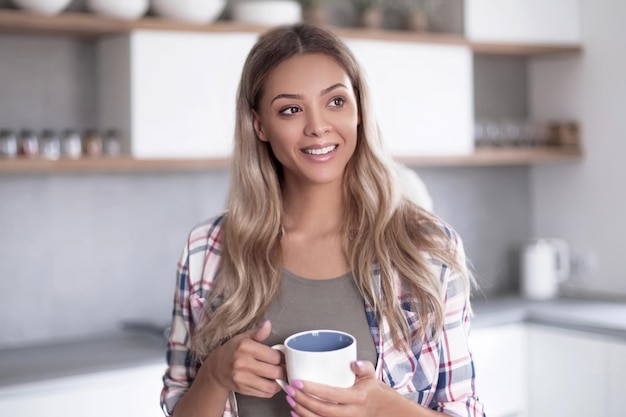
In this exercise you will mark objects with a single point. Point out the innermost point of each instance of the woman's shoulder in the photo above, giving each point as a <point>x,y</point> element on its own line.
<point>203,253</point>
<point>206,233</point>
<point>429,224</point>
<point>448,252</point>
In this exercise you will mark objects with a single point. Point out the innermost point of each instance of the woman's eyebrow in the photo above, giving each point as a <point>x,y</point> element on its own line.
<point>300,97</point>
<point>289,96</point>
<point>332,87</point>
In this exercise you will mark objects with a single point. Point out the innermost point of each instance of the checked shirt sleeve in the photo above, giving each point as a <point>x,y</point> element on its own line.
<point>196,270</point>
<point>182,367</point>
<point>455,394</point>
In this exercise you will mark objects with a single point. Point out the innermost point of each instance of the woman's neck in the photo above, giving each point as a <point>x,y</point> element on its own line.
<point>313,209</point>
<point>313,240</point>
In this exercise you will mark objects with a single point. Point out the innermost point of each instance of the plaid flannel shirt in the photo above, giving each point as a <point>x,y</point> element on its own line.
<point>437,373</point>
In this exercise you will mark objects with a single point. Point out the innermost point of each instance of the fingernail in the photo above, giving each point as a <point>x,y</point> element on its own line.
<point>293,414</point>
<point>291,402</point>
<point>290,391</point>
<point>359,364</point>
<point>298,384</point>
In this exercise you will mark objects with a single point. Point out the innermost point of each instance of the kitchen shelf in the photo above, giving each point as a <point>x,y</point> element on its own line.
<point>499,157</point>
<point>124,164</point>
<point>108,165</point>
<point>92,25</point>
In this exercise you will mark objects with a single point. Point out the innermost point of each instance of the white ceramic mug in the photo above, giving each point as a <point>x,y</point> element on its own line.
<point>323,356</point>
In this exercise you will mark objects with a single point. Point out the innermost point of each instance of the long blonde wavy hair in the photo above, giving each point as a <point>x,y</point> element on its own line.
<point>382,228</point>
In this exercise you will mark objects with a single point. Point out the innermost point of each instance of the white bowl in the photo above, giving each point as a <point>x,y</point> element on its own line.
<point>267,13</point>
<point>119,9</point>
<point>193,11</point>
<point>49,7</point>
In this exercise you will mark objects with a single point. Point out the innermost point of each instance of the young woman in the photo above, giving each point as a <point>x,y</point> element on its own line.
<point>316,234</point>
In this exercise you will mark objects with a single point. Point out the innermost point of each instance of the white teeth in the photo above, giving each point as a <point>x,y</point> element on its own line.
<point>321,151</point>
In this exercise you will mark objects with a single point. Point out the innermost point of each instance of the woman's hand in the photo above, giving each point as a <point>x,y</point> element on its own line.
<point>245,365</point>
<point>309,399</point>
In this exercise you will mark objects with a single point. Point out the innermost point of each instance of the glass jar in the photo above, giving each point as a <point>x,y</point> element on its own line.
<point>71,144</point>
<point>8,144</point>
<point>28,144</point>
<point>50,145</point>
<point>112,143</point>
<point>92,143</point>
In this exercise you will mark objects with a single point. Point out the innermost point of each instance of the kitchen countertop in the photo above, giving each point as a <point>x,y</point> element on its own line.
<point>117,350</point>
<point>19,366</point>
<point>595,316</point>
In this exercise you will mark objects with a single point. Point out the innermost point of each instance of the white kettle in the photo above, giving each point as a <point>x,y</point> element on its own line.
<point>545,263</point>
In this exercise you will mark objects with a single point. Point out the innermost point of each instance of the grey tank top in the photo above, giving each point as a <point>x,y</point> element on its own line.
<point>306,304</point>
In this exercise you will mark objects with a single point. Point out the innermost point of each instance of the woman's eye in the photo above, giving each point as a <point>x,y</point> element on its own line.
<point>338,102</point>
<point>290,110</point>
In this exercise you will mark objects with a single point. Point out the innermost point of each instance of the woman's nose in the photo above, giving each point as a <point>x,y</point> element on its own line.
<point>316,124</point>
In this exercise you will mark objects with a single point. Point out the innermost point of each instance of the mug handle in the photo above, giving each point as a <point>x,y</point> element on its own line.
<point>280,382</point>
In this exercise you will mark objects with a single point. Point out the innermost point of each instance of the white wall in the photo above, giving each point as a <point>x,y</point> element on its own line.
<point>585,202</point>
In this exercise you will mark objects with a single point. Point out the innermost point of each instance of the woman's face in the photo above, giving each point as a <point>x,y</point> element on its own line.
<point>309,115</point>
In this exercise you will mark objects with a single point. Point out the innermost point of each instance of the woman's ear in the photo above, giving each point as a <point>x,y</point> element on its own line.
<point>258,127</point>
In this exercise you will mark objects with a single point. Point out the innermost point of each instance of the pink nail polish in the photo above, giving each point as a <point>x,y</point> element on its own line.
<point>359,364</point>
<point>290,391</point>
<point>291,402</point>
<point>298,384</point>
<point>293,414</point>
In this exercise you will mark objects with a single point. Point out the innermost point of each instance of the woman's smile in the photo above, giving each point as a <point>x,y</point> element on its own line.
<point>320,151</point>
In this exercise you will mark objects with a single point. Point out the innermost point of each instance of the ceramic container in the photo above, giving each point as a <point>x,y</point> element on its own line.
<point>192,11</point>
<point>544,266</point>
<point>49,7</point>
<point>266,12</point>
<point>322,356</point>
<point>119,9</point>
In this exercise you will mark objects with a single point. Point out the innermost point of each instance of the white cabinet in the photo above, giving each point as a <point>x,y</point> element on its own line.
<point>175,92</point>
<point>172,92</point>
<point>130,392</point>
<point>616,394</point>
<point>501,363</point>
<point>526,21</point>
<point>540,371</point>
<point>568,374</point>
<point>422,95</point>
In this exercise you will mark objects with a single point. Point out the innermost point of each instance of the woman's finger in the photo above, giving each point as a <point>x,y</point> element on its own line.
<point>363,369</point>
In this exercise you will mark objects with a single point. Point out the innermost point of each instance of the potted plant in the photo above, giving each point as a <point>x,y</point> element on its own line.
<point>369,13</point>
<point>416,13</point>
<point>314,11</point>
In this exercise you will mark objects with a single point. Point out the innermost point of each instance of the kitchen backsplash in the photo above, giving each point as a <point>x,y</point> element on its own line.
<point>80,253</point>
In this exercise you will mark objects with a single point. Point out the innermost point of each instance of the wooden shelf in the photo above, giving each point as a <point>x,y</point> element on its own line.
<point>125,164</point>
<point>491,48</point>
<point>92,25</point>
<point>108,165</point>
<point>499,157</point>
